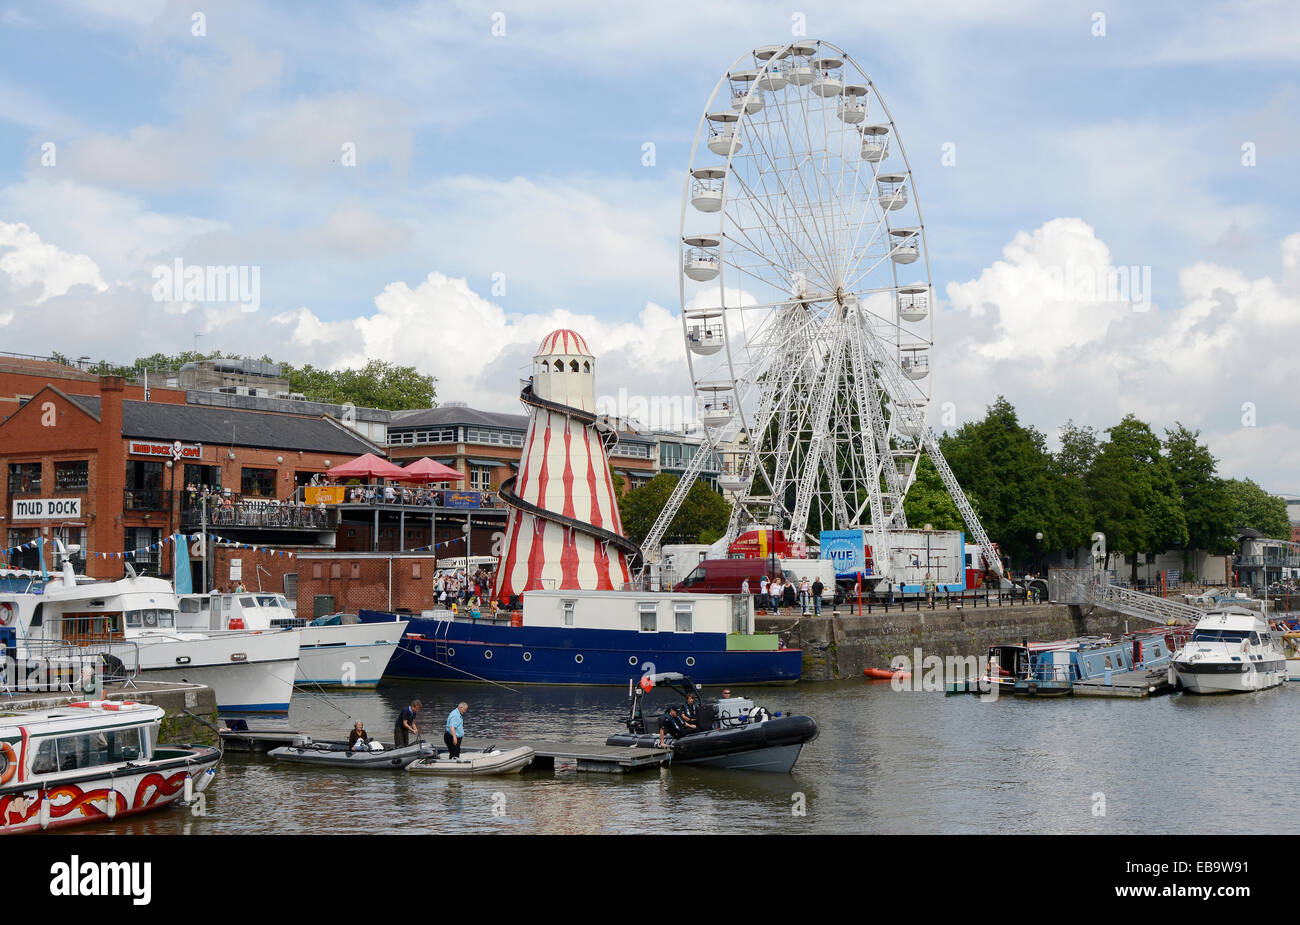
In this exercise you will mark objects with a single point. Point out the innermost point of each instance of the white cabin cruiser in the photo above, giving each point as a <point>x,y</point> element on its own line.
<point>132,622</point>
<point>93,761</point>
<point>1232,650</point>
<point>334,651</point>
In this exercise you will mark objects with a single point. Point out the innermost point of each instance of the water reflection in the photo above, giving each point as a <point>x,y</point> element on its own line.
<point>886,762</point>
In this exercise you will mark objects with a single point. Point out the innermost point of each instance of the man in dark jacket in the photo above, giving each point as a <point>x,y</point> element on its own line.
<point>817,589</point>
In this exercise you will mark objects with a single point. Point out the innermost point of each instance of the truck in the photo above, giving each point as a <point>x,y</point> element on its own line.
<point>915,557</point>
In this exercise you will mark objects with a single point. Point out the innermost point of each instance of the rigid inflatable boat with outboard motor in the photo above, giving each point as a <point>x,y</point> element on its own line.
<point>733,733</point>
<point>377,757</point>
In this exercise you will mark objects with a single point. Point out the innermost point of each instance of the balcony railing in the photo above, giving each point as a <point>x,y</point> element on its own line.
<point>146,499</point>
<point>257,513</point>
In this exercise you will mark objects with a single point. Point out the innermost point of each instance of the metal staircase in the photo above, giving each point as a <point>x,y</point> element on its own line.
<point>1143,606</point>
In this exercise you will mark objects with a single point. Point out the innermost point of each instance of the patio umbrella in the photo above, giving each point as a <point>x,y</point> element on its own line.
<point>367,466</point>
<point>427,470</point>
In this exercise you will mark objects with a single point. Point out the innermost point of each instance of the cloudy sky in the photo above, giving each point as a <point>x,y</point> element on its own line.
<point>441,184</point>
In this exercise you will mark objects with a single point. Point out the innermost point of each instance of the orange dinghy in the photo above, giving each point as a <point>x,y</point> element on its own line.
<point>885,674</point>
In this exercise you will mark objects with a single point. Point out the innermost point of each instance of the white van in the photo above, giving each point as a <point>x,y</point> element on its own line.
<point>812,569</point>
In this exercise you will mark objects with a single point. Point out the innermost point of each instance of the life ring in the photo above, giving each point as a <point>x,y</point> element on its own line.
<point>11,762</point>
<point>8,610</point>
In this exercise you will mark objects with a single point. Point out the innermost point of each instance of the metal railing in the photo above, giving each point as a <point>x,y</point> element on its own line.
<point>52,665</point>
<point>262,514</point>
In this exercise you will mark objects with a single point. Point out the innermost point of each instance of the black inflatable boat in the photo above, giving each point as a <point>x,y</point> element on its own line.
<point>734,733</point>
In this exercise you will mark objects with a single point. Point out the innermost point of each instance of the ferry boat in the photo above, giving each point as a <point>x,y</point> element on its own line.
<point>334,651</point>
<point>1232,650</point>
<point>131,623</point>
<point>595,637</point>
<point>93,761</point>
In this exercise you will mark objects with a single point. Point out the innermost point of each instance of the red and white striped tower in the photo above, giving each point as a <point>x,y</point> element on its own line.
<point>564,531</point>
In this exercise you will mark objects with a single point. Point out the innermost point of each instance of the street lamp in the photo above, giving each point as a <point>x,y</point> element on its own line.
<point>929,568</point>
<point>468,536</point>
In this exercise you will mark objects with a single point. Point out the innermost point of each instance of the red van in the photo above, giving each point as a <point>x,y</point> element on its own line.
<point>723,576</point>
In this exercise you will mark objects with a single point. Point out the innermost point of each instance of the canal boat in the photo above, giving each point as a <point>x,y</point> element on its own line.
<point>735,734</point>
<point>128,627</point>
<point>93,761</point>
<point>1232,650</point>
<point>476,762</point>
<point>378,757</point>
<point>337,650</point>
<point>594,637</point>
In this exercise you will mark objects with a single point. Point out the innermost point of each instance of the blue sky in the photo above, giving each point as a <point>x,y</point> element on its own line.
<point>521,154</point>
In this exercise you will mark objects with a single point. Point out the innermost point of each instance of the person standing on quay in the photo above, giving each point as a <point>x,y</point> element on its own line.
<point>405,727</point>
<point>455,733</point>
<point>817,589</point>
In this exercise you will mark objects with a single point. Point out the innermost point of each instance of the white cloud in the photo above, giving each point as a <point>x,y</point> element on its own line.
<point>40,271</point>
<point>1229,342</point>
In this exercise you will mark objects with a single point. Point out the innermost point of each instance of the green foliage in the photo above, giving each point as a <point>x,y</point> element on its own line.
<point>928,501</point>
<point>1132,493</point>
<point>702,517</point>
<point>1253,507</point>
<point>378,384</point>
<point>1010,479</point>
<point>1204,496</point>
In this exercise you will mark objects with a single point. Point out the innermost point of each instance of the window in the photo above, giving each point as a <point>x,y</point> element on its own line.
<point>151,619</point>
<point>649,616</point>
<point>480,478</point>
<point>259,483</point>
<point>70,753</point>
<point>413,437</point>
<point>569,609</point>
<point>684,612</point>
<point>71,476</point>
<point>24,477</point>
<point>199,477</point>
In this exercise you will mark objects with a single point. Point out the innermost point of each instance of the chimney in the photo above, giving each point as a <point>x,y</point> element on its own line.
<point>110,480</point>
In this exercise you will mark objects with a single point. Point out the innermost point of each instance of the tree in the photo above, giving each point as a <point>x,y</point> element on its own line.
<point>1253,507</point>
<point>1070,470</point>
<point>702,517</point>
<point>1132,494</point>
<point>1007,473</point>
<point>928,501</point>
<point>1206,504</point>
<point>378,384</point>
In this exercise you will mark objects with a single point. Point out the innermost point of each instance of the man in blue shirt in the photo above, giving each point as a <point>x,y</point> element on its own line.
<point>455,733</point>
<point>405,726</point>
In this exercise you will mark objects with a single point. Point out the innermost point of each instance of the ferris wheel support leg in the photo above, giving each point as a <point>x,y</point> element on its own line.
<point>968,515</point>
<point>650,545</point>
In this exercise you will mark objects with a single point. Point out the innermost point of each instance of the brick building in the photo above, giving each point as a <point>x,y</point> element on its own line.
<point>328,582</point>
<point>112,474</point>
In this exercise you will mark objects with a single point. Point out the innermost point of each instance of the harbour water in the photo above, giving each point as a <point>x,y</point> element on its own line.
<point>886,762</point>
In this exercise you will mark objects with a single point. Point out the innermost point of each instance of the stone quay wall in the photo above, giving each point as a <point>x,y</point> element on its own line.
<point>840,646</point>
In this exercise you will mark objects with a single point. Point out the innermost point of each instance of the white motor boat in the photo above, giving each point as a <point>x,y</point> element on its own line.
<point>334,651</point>
<point>130,624</point>
<point>1232,650</point>
<point>93,761</point>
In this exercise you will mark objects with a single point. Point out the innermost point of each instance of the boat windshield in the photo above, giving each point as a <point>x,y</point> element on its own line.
<point>272,600</point>
<point>151,619</point>
<point>1219,635</point>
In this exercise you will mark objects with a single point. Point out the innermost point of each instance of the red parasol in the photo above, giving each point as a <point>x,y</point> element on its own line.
<point>428,470</point>
<point>367,466</point>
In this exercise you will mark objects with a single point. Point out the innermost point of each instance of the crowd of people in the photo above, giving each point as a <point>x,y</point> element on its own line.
<point>778,593</point>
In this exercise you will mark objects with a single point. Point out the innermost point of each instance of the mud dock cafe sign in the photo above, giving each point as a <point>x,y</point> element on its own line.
<point>47,508</point>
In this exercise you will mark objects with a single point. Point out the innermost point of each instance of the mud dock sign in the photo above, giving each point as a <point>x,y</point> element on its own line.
<point>46,508</point>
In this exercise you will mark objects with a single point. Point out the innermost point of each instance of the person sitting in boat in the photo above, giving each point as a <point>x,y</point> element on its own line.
<point>358,740</point>
<point>670,726</point>
<point>687,716</point>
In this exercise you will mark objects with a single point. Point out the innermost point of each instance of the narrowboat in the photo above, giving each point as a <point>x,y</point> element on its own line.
<point>93,761</point>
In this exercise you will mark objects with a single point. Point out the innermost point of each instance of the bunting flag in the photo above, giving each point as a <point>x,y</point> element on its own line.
<point>459,539</point>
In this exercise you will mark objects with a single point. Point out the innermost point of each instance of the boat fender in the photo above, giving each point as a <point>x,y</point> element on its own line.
<point>11,762</point>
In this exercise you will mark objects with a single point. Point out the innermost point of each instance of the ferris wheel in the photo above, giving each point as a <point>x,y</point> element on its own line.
<point>806,294</point>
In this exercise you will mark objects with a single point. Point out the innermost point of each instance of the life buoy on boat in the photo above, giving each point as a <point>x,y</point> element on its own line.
<point>8,611</point>
<point>11,763</point>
